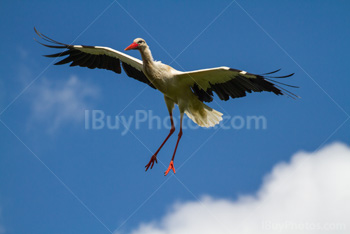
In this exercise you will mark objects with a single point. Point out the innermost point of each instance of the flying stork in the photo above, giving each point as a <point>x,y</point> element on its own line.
<point>186,89</point>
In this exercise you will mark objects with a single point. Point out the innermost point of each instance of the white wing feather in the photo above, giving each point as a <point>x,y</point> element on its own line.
<point>204,78</point>
<point>101,50</point>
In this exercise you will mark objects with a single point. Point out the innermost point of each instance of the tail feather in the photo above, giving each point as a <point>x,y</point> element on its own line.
<point>204,116</point>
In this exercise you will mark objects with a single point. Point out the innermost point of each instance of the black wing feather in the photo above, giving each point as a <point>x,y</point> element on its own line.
<point>271,72</point>
<point>64,53</point>
<point>82,59</point>
<point>136,74</point>
<point>240,85</point>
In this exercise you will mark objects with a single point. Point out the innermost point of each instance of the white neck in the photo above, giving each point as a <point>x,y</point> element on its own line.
<point>146,56</point>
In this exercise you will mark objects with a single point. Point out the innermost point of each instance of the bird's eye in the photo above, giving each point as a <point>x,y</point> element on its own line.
<point>140,42</point>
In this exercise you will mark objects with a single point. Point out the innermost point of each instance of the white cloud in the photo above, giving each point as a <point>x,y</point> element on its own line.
<point>310,194</point>
<point>56,103</point>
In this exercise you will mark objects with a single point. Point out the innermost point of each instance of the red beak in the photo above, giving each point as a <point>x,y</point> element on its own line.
<point>133,46</point>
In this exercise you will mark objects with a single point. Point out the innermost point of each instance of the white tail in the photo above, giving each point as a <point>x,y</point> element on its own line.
<point>204,116</point>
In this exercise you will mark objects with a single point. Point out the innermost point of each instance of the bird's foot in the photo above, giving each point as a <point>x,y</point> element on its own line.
<point>171,167</point>
<point>151,162</point>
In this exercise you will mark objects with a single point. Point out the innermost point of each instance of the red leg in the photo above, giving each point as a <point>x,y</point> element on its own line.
<point>154,157</point>
<point>171,165</point>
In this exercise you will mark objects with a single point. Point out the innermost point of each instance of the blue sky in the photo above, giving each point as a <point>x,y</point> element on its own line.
<point>58,177</point>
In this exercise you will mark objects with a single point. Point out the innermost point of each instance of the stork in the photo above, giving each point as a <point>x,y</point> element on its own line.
<point>188,90</point>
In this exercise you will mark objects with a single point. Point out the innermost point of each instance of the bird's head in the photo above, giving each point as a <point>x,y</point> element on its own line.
<point>138,44</point>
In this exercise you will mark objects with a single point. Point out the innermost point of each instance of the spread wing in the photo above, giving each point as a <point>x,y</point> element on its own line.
<point>96,57</point>
<point>228,82</point>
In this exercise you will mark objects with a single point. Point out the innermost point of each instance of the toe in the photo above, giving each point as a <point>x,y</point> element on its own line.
<point>166,172</point>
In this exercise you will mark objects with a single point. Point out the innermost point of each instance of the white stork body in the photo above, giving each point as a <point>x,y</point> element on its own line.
<point>177,91</point>
<point>186,89</point>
